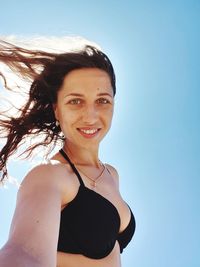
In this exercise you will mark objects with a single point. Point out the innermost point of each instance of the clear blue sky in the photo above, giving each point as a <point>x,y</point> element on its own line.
<point>154,141</point>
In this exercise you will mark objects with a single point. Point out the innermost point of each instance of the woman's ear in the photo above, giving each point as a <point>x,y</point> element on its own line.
<point>55,109</point>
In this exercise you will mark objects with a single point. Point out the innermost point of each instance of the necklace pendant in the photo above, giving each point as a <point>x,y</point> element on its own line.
<point>93,185</point>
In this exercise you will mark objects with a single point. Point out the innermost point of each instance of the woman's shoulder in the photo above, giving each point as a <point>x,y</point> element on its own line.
<point>46,171</point>
<point>51,173</point>
<point>113,171</point>
<point>111,168</point>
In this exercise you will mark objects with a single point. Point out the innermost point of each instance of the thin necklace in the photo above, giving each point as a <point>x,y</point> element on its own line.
<point>93,182</point>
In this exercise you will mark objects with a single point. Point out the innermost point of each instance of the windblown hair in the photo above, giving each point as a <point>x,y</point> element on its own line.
<point>46,72</point>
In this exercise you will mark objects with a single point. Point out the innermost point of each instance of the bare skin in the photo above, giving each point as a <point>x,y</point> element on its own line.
<point>85,102</point>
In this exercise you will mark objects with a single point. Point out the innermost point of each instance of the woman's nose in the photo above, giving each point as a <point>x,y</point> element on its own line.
<point>90,114</point>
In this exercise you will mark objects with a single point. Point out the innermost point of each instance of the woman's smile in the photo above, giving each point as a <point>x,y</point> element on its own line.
<point>88,132</point>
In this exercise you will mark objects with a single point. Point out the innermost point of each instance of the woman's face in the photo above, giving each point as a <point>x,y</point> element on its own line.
<point>84,106</point>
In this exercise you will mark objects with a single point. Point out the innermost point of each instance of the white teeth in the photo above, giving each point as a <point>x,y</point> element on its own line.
<point>89,131</point>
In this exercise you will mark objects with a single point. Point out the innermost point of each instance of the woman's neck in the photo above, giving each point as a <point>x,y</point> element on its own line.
<point>82,156</point>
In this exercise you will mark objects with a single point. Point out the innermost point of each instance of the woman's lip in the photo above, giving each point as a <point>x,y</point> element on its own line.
<point>88,128</point>
<point>88,135</point>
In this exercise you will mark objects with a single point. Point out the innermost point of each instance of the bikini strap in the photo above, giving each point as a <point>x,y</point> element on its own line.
<point>63,153</point>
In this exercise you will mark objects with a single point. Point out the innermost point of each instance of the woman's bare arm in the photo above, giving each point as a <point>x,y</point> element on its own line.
<point>34,230</point>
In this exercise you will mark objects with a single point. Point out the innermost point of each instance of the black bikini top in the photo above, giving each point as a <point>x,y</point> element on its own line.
<point>90,224</point>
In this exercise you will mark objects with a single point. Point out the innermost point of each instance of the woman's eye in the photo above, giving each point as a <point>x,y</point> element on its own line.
<point>103,101</point>
<point>75,101</point>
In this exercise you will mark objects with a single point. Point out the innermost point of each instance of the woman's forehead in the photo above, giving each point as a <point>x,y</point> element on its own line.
<point>86,80</point>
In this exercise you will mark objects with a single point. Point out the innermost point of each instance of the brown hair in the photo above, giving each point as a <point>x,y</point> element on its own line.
<point>46,72</point>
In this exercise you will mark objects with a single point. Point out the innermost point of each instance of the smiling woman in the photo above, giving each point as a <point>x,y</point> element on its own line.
<point>69,211</point>
<point>84,106</point>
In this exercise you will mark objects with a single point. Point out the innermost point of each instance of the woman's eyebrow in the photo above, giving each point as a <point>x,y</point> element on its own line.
<point>74,94</point>
<point>104,94</point>
<point>81,95</point>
